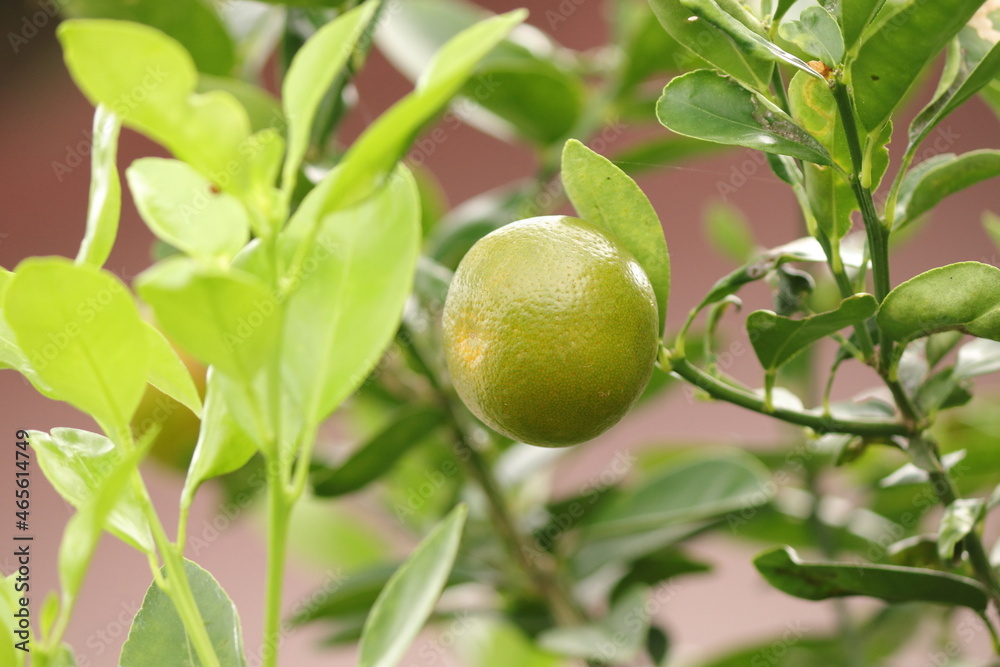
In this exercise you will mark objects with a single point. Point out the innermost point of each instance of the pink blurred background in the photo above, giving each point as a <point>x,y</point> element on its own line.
<point>44,121</point>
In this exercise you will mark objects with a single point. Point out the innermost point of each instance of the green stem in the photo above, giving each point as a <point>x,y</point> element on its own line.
<point>721,390</point>
<point>278,515</point>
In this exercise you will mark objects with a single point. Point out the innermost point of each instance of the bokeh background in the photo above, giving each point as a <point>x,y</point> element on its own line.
<point>45,125</point>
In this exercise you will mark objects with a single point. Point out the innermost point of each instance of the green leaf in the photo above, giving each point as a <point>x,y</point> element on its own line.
<point>817,33</point>
<point>168,373</point>
<point>781,9</point>
<point>855,16</point>
<point>222,447</point>
<point>616,640</point>
<point>821,581</point>
<point>105,190</point>
<point>959,519</point>
<point>310,75</point>
<point>706,105</point>
<point>193,23</point>
<point>263,109</point>
<point>9,604</point>
<point>903,39</point>
<point>943,390</point>
<point>980,357</point>
<point>184,209</point>
<point>712,44</point>
<point>991,223</point>
<point>78,464</point>
<point>377,456</point>
<point>228,319</point>
<point>410,595</point>
<point>349,300</point>
<point>157,637</point>
<point>963,297</point>
<point>973,65</point>
<point>504,644</point>
<point>353,596</point>
<point>729,232</point>
<point>148,80</point>
<point>606,196</point>
<point>910,473</point>
<point>82,334</point>
<point>777,340</point>
<point>932,180</point>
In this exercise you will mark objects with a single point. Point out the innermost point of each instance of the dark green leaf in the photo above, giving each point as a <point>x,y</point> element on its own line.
<point>377,456</point>
<point>105,204</point>
<point>658,567</point>
<point>821,581</point>
<point>158,639</point>
<point>817,33</point>
<point>855,15</point>
<point>706,105</point>
<point>932,180</point>
<point>943,390</point>
<point>606,196</point>
<point>963,297</point>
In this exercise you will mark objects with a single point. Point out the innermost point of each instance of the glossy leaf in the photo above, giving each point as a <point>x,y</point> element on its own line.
<point>148,80</point>
<point>606,196</point>
<point>157,637</point>
<point>706,105</point>
<point>712,44</point>
<point>816,32</point>
<point>963,297</point>
<point>78,464</point>
<point>777,340</point>
<point>193,23</point>
<point>410,595</point>
<point>310,75</point>
<point>184,209</point>
<point>855,16</point>
<point>901,42</point>
<point>932,180</point>
<point>980,357</point>
<point>784,570</point>
<point>168,373</point>
<point>228,319</point>
<point>959,519</point>
<point>105,204</point>
<point>82,335</point>
<point>378,455</point>
<point>615,640</point>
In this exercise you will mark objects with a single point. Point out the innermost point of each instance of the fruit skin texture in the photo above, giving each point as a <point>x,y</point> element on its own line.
<point>550,330</point>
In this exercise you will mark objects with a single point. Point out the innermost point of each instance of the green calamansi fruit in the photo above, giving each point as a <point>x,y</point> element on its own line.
<point>550,330</point>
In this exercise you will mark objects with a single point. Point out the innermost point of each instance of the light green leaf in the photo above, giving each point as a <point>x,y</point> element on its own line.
<point>148,80</point>
<point>729,232</point>
<point>222,446</point>
<point>991,223</point>
<point>712,44</point>
<point>263,109</point>
<point>910,473</point>
<point>377,456</point>
<point>105,204</point>
<point>500,643</point>
<point>410,595</point>
<point>959,519</point>
<point>78,464</point>
<point>9,605</point>
<point>903,39</point>
<point>11,355</point>
<point>229,319</point>
<point>168,373</point>
<point>980,357</point>
<point>616,640</point>
<point>310,75</point>
<point>81,332</point>
<point>706,105</point>
<point>184,209</point>
<point>157,637</point>
<point>349,299</point>
<point>932,180</point>
<point>963,297</point>
<point>606,196</point>
<point>817,33</point>
<point>777,340</point>
<point>821,581</point>
<point>193,23</point>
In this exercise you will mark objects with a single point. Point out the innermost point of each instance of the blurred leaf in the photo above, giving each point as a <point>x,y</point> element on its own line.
<point>184,209</point>
<point>499,643</point>
<point>706,105</point>
<point>661,152</point>
<point>911,474</point>
<point>168,373</point>
<point>81,331</point>
<point>729,232</point>
<point>374,458</point>
<point>606,196</point>
<point>78,464</point>
<point>104,208</point>
<point>337,537</point>
<point>158,637</point>
<point>9,605</point>
<point>615,640</point>
<point>963,297</point>
<point>193,23</point>
<point>263,109</point>
<point>712,44</point>
<point>940,344</point>
<point>932,180</point>
<point>816,32</point>
<point>900,43</point>
<point>656,568</point>
<point>980,357</point>
<point>410,595</point>
<point>821,581</point>
<point>991,223</point>
<point>959,519</point>
<point>941,391</point>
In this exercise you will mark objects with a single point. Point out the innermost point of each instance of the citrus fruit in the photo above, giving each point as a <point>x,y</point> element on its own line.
<point>550,330</point>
